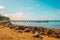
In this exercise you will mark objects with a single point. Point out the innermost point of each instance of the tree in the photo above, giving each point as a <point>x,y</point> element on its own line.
<point>2,18</point>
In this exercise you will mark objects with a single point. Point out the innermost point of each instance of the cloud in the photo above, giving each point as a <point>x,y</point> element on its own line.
<point>47,17</point>
<point>1,7</point>
<point>28,16</point>
<point>2,12</point>
<point>18,16</point>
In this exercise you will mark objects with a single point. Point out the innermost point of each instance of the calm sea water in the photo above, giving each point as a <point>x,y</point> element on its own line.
<point>51,24</point>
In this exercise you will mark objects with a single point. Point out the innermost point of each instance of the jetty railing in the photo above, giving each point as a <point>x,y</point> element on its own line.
<point>26,21</point>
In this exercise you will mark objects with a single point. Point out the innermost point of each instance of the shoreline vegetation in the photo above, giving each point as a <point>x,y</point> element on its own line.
<point>9,31</point>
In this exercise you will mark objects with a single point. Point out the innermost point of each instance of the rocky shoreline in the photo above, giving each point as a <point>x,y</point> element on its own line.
<point>36,31</point>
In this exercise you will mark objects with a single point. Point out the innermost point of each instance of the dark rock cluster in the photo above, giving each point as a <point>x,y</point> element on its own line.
<point>36,31</point>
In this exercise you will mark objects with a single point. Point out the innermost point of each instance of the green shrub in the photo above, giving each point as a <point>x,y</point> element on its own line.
<point>2,18</point>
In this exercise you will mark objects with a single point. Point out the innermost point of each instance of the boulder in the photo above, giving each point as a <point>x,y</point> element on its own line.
<point>36,35</point>
<point>57,35</point>
<point>27,30</point>
<point>19,28</point>
<point>35,28</point>
<point>1,26</point>
<point>52,33</point>
<point>32,31</point>
<point>20,31</point>
<point>16,28</point>
<point>11,27</point>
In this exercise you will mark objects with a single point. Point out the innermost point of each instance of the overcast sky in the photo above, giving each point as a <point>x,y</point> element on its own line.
<point>30,9</point>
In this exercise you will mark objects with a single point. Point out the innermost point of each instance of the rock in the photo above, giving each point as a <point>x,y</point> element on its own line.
<point>16,28</point>
<point>11,27</point>
<point>35,28</point>
<point>50,32</point>
<point>19,28</point>
<point>32,31</point>
<point>1,26</point>
<point>57,35</point>
<point>27,30</point>
<point>8,24</point>
<point>41,33</point>
<point>5,25</point>
<point>20,31</point>
<point>36,35</point>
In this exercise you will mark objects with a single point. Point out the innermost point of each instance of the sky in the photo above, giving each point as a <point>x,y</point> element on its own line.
<point>30,9</point>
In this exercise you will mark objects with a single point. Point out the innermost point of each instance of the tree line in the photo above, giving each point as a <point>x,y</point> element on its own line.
<point>2,18</point>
